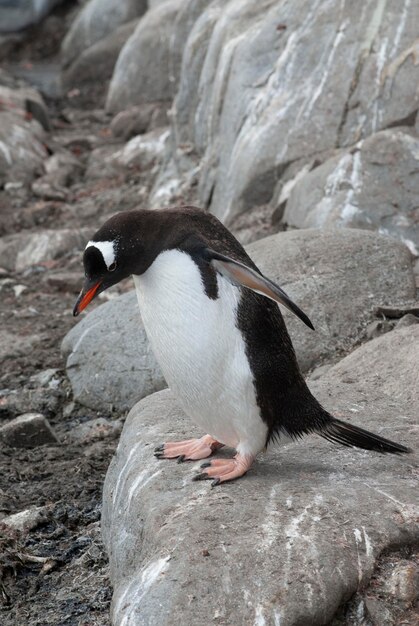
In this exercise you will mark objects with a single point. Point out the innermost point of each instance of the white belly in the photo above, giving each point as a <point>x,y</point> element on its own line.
<point>200,350</point>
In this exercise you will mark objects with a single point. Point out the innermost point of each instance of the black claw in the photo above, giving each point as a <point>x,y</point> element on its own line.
<point>159,448</point>
<point>181,458</point>
<point>215,482</point>
<point>201,477</point>
<point>206,464</point>
<point>159,455</point>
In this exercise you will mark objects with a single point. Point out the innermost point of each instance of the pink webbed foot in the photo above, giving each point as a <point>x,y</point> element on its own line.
<point>189,450</point>
<point>222,470</point>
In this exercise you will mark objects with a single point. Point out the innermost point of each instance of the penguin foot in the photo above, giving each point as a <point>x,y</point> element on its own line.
<point>189,450</point>
<point>222,470</point>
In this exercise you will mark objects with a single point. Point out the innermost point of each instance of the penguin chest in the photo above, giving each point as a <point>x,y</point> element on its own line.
<point>199,347</point>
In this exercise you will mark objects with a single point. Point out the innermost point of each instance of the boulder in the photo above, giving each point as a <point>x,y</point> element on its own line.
<point>17,252</point>
<point>96,63</point>
<point>96,20</point>
<point>288,543</point>
<point>154,53</point>
<point>337,277</point>
<point>22,151</point>
<point>109,360</point>
<point>19,14</point>
<point>374,185</point>
<point>108,356</point>
<point>267,86</point>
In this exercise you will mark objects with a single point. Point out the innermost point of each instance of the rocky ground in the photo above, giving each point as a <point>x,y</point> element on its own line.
<point>77,161</point>
<point>53,569</point>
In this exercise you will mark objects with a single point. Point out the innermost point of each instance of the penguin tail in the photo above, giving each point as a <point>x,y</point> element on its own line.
<point>349,435</point>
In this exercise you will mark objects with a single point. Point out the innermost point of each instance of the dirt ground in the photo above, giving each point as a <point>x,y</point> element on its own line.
<point>55,572</point>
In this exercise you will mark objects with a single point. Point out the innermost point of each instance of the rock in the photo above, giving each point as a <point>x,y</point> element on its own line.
<point>378,363</point>
<point>28,431</point>
<point>293,539</point>
<point>372,185</point>
<point>66,282</point>
<point>403,583</point>
<point>96,20</point>
<point>143,151</point>
<point>62,169</point>
<point>265,88</point>
<point>148,53</point>
<point>27,520</point>
<point>22,151</point>
<point>339,303</point>
<point>109,361</point>
<point>19,14</point>
<point>108,356</point>
<point>378,612</point>
<point>46,378</point>
<point>95,429</point>
<point>137,120</point>
<point>407,320</point>
<point>22,250</point>
<point>96,63</point>
<point>377,328</point>
<point>26,102</point>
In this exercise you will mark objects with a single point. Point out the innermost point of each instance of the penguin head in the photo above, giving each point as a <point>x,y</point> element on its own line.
<point>124,245</point>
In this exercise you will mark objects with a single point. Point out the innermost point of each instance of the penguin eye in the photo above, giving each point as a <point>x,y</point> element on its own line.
<point>112,267</point>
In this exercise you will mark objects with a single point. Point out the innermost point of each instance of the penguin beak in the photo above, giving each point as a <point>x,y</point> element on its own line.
<point>86,295</point>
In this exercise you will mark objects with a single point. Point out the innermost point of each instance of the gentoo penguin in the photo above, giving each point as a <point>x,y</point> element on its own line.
<point>215,327</point>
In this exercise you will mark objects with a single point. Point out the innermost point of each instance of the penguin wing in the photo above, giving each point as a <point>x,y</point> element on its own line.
<point>243,276</point>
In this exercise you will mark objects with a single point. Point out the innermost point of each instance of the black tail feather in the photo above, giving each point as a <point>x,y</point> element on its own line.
<point>349,435</point>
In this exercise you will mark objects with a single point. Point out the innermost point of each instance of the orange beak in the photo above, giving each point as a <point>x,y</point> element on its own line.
<point>84,298</point>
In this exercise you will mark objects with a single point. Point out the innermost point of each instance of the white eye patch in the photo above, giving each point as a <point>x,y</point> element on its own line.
<point>107,250</point>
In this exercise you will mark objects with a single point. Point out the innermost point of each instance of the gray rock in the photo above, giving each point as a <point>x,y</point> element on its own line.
<point>28,431</point>
<point>138,119</point>
<point>96,20</point>
<point>143,151</point>
<point>265,87</point>
<point>337,277</point>
<point>153,52</point>
<point>27,520</point>
<point>22,152</point>
<point>96,63</point>
<point>403,583</point>
<point>373,185</point>
<point>96,429</point>
<point>109,360</point>
<point>287,544</point>
<point>18,14</point>
<point>22,250</point>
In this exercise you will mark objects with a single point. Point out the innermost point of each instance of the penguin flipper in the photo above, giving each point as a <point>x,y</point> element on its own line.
<point>243,276</point>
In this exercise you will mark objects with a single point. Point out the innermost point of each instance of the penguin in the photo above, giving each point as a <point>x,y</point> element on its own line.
<point>216,329</point>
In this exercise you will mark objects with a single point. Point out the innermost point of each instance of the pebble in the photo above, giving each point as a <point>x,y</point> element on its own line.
<point>27,520</point>
<point>28,431</point>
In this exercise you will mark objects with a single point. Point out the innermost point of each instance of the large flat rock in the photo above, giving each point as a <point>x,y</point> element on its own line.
<point>337,277</point>
<point>288,543</point>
